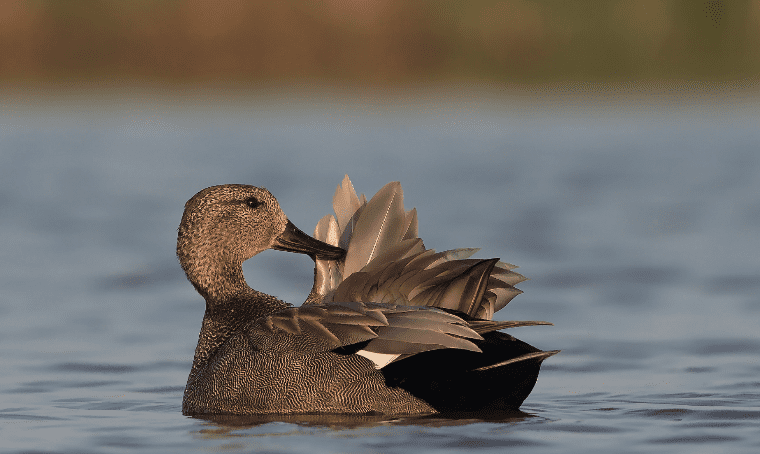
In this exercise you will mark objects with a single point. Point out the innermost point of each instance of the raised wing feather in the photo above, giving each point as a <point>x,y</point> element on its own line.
<point>380,225</point>
<point>347,208</point>
<point>486,326</point>
<point>462,285</point>
<point>386,262</point>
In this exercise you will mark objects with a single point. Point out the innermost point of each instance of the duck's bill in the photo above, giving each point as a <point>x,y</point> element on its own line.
<point>294,240</point>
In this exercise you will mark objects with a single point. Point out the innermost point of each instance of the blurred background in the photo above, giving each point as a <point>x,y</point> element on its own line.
<point>608,148</point>
<point>78,44</point>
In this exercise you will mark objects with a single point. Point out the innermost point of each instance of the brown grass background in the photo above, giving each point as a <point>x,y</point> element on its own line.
<point>377,43</point>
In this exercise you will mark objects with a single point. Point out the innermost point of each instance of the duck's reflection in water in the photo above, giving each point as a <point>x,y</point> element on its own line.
<point>231,425</point>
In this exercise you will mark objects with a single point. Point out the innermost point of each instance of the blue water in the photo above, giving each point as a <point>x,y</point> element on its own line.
<point>639,230</point>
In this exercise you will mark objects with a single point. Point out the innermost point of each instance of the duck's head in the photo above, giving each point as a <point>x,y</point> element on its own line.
<point>223,226</point>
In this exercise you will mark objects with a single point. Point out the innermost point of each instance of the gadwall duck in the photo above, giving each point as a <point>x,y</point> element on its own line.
<point>389,326</point>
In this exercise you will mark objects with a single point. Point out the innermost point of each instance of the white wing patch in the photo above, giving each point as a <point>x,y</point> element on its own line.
<point>380,359</point>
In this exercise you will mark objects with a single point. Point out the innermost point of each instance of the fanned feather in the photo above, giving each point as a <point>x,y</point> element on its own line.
<point>409,340</point>
<point>379,227</point>
<point>487,326</point>
<point>347,208</point>
<point>410,226</point>
<point>536,355</point>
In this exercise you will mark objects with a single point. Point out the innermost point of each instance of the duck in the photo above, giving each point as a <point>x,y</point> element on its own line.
<point>388,328</point>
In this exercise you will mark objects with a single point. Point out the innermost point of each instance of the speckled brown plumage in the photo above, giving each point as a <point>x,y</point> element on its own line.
<point>258,355</point>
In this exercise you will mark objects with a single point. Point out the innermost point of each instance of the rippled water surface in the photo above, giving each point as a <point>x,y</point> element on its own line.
<point>640,234</point>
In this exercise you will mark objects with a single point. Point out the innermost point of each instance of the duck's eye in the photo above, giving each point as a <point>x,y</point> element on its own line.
<point>253,202</point>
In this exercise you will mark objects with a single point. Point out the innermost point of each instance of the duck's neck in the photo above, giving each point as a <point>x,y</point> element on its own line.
<point>230,304</point>
<point>217,281</point>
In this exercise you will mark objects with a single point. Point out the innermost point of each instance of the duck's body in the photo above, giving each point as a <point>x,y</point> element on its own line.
<point>368,339</point>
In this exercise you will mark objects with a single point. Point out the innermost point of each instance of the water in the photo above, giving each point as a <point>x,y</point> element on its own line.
<point>639,230</point>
